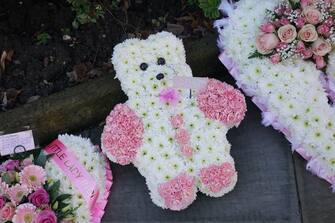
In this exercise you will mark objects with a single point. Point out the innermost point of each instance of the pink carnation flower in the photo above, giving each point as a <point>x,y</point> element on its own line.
<point>324,30</point>
<point>33,176</point>
<point>25,213</point>
<point>275,59</point>
<point>284,21</point>
<point>329,22</point>
<point>220,101</point>
<point>17,192</point>
<point>300,22</point>
<point>169,95</point>
<point>217,177</point>
<point>187,150</point>
<point>182,136</point>
<point>177,121</point>
<point>123,134</point>
<point>179,192</point>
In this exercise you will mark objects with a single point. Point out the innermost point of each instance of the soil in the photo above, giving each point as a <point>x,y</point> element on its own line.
<point>30,70</point>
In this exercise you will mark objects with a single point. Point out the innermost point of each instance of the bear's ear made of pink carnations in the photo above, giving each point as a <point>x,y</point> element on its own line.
<point>163,128</point>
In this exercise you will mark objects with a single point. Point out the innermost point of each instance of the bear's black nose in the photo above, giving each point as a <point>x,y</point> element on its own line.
<point>160,76</point>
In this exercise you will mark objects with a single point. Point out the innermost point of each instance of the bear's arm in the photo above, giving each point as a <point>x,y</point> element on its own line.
<point>222,102</point>
<point>122,135</point>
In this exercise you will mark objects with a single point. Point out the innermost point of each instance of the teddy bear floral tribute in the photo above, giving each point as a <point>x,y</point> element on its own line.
<point>173,127</point>
<point>37,186</point>
<point>281,54</point>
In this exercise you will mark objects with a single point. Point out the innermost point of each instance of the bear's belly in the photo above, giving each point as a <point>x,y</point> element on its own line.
<point>169,150</point>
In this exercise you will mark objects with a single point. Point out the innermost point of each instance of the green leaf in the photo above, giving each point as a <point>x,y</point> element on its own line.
<point>294,5</point>
<point>5,178</point>
<point>63,197</point>
<point>41,159</point>
<point>53,191</point>
<point>256,54</point>
<point>209,7</point>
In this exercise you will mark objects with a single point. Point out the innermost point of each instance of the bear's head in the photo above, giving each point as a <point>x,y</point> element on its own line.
<point>147,67</point>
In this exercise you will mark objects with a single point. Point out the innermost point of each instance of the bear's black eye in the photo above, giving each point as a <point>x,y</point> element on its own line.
<point>144,66</point>
<point>161,61</point>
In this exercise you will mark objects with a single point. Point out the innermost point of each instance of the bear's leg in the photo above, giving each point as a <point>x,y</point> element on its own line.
<point>175,194</point>
<point>171,185</point>
<point>213,164</point>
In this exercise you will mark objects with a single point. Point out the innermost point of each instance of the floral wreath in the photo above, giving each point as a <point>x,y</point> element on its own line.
<point>35,190</point>
<point>280,53</point>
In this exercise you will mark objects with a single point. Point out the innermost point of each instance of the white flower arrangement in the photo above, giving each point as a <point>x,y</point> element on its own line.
<point>175,137</point>
<point>292,94</point>
<point>97,166</point>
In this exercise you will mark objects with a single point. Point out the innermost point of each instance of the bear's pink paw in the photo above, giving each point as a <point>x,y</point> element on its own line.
<point>218,177</point>
<point>123,134</point>
<point>222,102</point>
<point>179,192</point>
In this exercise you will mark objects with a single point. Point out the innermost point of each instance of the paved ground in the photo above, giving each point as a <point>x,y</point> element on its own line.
<point>273,185</point>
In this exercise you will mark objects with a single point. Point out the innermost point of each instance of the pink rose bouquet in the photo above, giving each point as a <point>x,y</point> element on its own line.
<point>27,196</point>
<point>298,28</point>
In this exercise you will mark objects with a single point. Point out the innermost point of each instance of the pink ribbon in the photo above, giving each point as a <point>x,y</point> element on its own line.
<point>72,168</point>
<point>194,83</point>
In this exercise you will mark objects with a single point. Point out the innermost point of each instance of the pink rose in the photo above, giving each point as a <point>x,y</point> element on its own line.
<point>300,47</point>
<point>312,15</point>
<point>27,161</point>
<point>305,3</point>
<point>46,216</point>
<point>2,201</point>
<point>324,30</point>
<point>7,212</point>
<point>12,164</point>
<point>321,47</point>
<point>320,62</point>
<point>308,33</point>
<point>275,59</point>
<point>39,197</point>
<point>265,43</point>
<point>307,53</point>
<point>267,28</point>
<point>287,33</point>
<point>300,22</point>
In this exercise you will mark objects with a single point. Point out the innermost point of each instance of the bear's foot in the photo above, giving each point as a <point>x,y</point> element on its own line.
<point>217,180</point>
<point>179,192</point>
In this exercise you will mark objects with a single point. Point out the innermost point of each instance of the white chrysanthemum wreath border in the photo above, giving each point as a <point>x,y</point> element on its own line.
<point>313,165</point>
